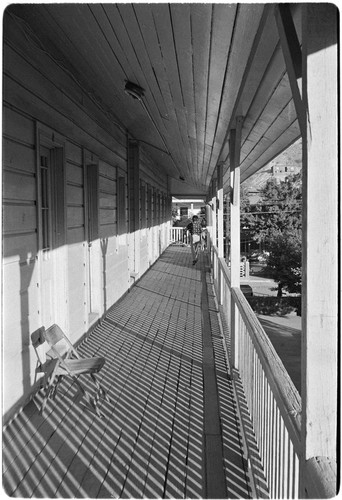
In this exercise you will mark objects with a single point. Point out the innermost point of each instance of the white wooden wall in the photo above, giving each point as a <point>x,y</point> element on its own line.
<point>38,95</point>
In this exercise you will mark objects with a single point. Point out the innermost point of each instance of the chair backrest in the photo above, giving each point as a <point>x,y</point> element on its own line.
<point>37,337</point>
<point>58,341</point>
<point>53,335</point>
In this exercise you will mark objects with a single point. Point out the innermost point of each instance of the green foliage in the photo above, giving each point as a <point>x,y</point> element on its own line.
<point>279,209</point>
<point>276,222</point>
<point>284,260</point>
<point>273,306</point>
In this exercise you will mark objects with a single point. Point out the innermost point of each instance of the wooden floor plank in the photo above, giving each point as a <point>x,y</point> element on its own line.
<point>168,397</point>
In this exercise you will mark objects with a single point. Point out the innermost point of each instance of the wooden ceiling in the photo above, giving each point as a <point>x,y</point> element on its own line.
<point>200,65</point>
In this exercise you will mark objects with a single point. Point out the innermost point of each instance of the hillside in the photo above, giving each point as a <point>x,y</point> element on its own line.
<point>288,162</point>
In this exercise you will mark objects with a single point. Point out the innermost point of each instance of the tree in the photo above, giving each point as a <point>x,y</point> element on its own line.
<point>276,222</point>
<point>279,209</point>
<point>284,260</point>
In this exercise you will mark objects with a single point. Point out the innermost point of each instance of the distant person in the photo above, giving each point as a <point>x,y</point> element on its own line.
<point>204,234</point>
<point>195,230</point>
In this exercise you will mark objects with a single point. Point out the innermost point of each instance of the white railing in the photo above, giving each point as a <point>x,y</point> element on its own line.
<point>274,404</point>
<point>177,235</point>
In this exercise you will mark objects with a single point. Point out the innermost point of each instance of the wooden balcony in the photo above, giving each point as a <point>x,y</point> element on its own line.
<point>173,427</point>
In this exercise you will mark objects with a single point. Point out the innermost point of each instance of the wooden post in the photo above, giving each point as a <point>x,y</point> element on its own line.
<point>320,239</point>
<point>234,153</point>
<point>214,212</point>
<point>220,236</point>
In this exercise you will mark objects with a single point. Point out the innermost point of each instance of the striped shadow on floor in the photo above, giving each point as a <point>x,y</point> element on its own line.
<point>171,429</point>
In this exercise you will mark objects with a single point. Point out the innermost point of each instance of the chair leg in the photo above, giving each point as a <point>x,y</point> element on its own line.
<point>90,401</point>
<point>54,389</point>
<point>100,390</point>
<point>50,392</point>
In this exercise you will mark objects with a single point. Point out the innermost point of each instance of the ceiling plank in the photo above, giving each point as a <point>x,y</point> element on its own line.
<point>134,55</point>
<point>180,15</point>
<point>164,29</point>
<point>151,25</point>
<point>245,30</point>
<point>222,31</point>
<point>201,34</point>
<point>280,100</point>
<point>287,137</point>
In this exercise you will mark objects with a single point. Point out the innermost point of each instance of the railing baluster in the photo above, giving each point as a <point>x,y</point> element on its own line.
<point>286,464</point>
<point>268,434</point>
<point>273,401</point>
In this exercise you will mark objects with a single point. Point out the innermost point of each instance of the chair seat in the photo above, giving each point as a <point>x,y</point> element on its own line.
<point>88,365</point>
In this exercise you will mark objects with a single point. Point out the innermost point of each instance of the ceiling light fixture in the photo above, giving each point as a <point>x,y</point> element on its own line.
<point>134,90</point>
<point>137,92</point>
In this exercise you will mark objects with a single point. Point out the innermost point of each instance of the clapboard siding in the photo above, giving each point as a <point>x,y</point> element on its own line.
<point>44,102</point>
<point>19,218</point>
<point>26,87</point>
<point>75,195</point>
<point>18,186</point>
<point>75,216</point>
<point>107,199</point>
<point>76,236</point>
<point>21,129</point>
<point>18,157</point>
<point>77,282</point>
<point>16,245</point>
<point>20,248</point>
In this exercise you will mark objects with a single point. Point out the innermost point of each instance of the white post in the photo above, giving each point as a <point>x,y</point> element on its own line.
<point>320,240</point>
<point>214,216</point>
<point>220,210</point>
<point>234,153</point>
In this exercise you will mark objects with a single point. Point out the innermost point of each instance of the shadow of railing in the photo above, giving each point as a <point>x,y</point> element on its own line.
<point>149,441</point>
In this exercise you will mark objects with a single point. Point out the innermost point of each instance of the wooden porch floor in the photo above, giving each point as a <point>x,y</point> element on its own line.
<point>171,429</point>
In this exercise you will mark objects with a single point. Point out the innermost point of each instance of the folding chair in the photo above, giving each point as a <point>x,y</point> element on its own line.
<point>64,361</point>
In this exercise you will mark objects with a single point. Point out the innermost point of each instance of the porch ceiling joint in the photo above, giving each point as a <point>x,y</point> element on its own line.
<point>292,53</point>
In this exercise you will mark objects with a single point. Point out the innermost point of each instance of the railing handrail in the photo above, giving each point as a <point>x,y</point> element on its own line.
<point>283,389</point>
<point>273,403</point>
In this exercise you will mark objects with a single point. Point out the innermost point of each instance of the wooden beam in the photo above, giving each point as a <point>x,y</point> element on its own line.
<point>293,58</point>
<point>288,34</point>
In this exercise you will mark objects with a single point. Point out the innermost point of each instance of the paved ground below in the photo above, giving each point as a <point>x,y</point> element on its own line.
<point>283,331</point>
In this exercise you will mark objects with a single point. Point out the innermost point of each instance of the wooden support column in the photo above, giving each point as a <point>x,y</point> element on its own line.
<point>213,213</point>
<point>320,248</point>
<point>220,239</point>
<point>234,153</point>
